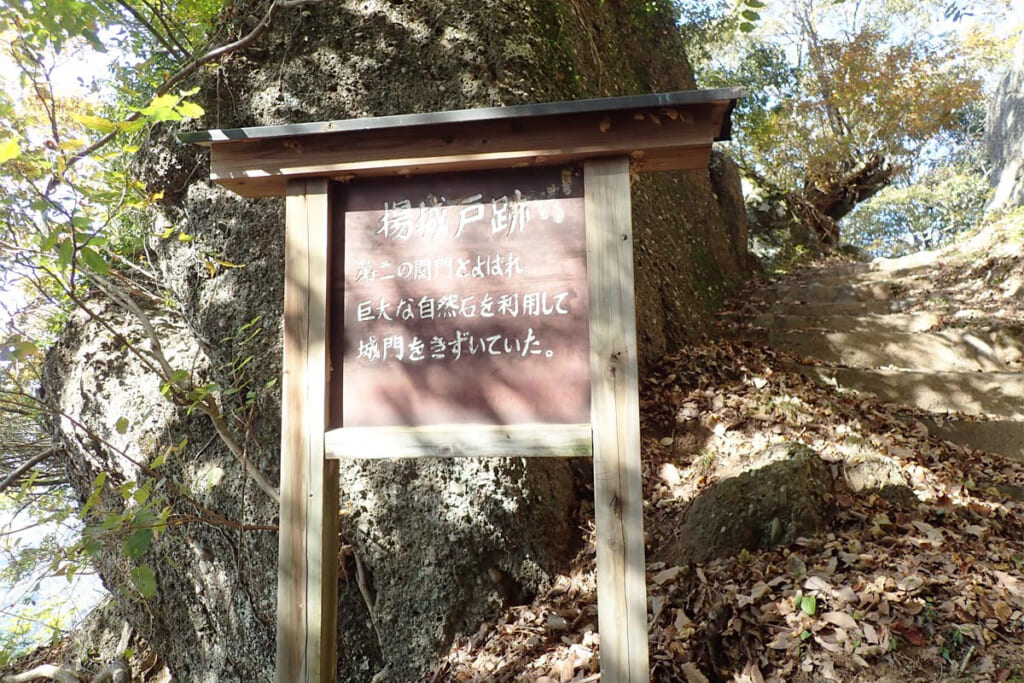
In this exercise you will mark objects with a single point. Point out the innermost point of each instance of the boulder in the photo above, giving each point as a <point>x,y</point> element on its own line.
<point>784,492</point>
<point>432,547</point>
<point>1004,136</point>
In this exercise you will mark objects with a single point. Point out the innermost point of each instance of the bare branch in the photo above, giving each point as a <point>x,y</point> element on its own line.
<point>47,671</point>
<point>172,32</point>
<point>192,66</point>
<point>116,671</point>
<point>211,517</point>
<point>25,467</point>
<point>166,41</point>
<point>208,405</point>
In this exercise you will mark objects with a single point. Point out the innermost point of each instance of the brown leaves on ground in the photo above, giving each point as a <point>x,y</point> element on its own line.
<point>925,586</point>
<point>918,589</point>
<point>925,589</point>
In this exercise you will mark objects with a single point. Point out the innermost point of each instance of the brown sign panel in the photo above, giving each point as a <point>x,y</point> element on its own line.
<point>461,299</point>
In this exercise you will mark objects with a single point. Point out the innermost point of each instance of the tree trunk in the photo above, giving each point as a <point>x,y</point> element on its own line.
<point>824,203</point>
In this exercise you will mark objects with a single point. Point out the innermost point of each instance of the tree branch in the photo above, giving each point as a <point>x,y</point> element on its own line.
<point>192,66</point>
<point>208,405</point>
<point>166,41</point>
<point>25,467</point>
<point>47,671</point>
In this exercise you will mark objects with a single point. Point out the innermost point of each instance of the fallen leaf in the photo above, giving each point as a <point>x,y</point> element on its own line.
<point>1002,610</point>
<point>910,634</point>
<point>666,575</point>
<point>693,674</point>
<point>840,619</point>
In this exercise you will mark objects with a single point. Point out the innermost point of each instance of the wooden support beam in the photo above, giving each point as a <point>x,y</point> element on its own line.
<point>615,416</point>
<point>306,582</point>
<point>461,441</point>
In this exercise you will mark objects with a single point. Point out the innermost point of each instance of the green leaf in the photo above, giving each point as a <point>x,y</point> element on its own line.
<point>747,27</point>
<point>95,123</point>
<point>190,110</point>
<point>94,40</point>
<point>65,252</point>
<point>94,497</point>
<point>751,15</point>
<point>122,425</point>
<point>132,126</point>
<point>165,115</point>
<point>92,547</point>
<point>809,604</point>
<point>161,102</point>
<point>141,495</point>
<point>144,580</point>
<point>112,520</point>
<point>138,543</point>
<point>20,349</point>
<point>9,149</point>
<point>144,516</point>
<point>161,522</point>
<point>94,261</point>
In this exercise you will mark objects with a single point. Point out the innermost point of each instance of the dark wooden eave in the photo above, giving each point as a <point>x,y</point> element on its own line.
<point>659,132</point>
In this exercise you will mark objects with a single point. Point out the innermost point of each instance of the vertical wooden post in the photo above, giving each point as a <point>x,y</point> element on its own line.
<point>307,560</point>
<point>615,417</point>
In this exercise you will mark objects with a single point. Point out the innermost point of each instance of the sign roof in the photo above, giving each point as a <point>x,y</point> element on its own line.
<point>661,131</point>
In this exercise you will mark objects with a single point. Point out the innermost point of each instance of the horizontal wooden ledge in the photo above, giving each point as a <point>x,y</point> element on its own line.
<point>663,138</point>
<point>461,441</point>
<point>681,159</point>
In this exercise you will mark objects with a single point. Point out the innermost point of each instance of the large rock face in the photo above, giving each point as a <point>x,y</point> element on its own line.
<point>441,545</point>
<point>1004,136</point>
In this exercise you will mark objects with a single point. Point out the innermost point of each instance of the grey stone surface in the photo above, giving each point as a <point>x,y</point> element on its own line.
<point>1004,136</point>
<point>783,493</point>
<point>868,471</point>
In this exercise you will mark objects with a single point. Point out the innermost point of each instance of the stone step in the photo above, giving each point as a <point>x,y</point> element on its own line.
<point>825,309</point>
<point>947,350</point>
<point>998,394</point>
<point>863,276</point>
<point>894,322</point>
<point>839,290</point>
<point>1002,437</point>
<point>827,293</point>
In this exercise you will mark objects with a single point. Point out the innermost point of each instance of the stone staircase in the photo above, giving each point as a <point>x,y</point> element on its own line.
<point>900,331</point>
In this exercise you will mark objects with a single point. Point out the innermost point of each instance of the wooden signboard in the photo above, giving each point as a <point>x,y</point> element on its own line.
<point>460,284</point>
<point>463,300</point>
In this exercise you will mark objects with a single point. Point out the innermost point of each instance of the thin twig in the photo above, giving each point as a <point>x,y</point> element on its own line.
<point>208,405</point>
<point>364,590</point>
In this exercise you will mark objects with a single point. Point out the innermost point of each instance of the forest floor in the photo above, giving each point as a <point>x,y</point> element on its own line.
<point>921,587</point>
